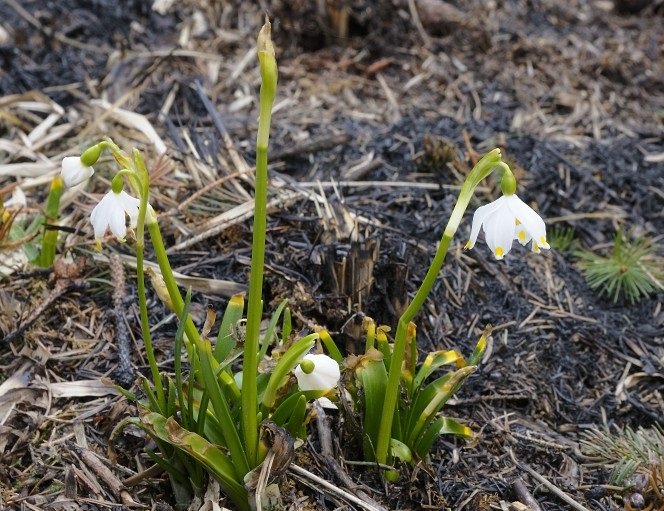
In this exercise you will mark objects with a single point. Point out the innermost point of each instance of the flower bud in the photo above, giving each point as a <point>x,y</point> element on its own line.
<point>91,155</point>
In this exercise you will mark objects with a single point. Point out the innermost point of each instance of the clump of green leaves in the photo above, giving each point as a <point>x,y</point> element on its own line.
<point>630,269</point>
<point>417,423</point>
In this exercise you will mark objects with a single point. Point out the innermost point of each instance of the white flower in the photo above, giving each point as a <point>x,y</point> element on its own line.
<point>110,213</point>
<point>506,219</point>
<point>74,172</point>
<point>324,375</point>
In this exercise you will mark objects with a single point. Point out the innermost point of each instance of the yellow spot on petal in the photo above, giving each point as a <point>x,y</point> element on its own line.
<point>522,236</point>
<point>517,221</point>
<point>499,252</point>
<point>467,245</point>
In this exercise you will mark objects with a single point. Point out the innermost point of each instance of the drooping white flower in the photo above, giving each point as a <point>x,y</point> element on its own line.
<point>323,376</point>
<point>506,219</point>
<point>110,214</point>
<point>74,171</point>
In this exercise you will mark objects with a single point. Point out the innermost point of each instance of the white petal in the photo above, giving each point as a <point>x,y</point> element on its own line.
<point>521,235</point>
<point>74,172</point>
<point>324,377</point>
<point>530,220</point>
<point>480,217</point>
<point>117,222</point>
<point>500,230</point>
<point>99,217</point>
<point>130,205</point>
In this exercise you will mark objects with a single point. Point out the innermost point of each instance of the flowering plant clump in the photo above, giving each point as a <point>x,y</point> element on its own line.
<point>210,419</point>
<point>213,418</point>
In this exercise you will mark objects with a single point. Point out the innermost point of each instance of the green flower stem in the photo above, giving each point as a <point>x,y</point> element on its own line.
<point>169,280</point>
<point>142,183</point>
<point>268,66</point>
<point>481,170</point>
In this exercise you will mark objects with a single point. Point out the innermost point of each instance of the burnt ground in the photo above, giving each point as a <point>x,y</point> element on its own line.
<point>375,126</point>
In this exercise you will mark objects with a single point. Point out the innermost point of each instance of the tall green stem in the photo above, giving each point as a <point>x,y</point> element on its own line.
<point>142,299</point>
<point>481,170</point>
<point>169,280</point>
<point>268,90</point>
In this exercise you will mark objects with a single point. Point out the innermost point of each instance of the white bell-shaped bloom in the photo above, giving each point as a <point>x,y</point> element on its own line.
<point>74,171</point>
<point>323,377</point>
<point>110,214</point>
<point>506,219</point>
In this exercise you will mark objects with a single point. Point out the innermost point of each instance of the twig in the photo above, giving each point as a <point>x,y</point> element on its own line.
<point>325,438</point>
<point>550,486</point>
<point>95,464</point>
<point>524,495</point>
<point>418,23</point>
<point>148,473</point>
<point>124,372</point>
<point>319,481</point>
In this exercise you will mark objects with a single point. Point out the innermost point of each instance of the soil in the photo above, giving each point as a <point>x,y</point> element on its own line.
<point>379,122</point>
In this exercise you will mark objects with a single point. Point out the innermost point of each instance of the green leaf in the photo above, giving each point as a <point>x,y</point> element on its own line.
<point>271,327</point>
<point>222,411</point>
<point>286,364</point>
<point>433,361</point>
<point>442,390</point>
<point>372,376</point>
<point>215,460</point>
<point>296,423</point>
<point>286,326</point>
<point>331,346</point>
<point>400,450</point>
<point>441,426</point>
<point>285,408</point>
<point>480,347</point>
<point>226,337</point>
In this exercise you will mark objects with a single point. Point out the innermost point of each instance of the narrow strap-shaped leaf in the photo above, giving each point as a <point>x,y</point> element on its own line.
<point>444,392</point>
<point>331,346</point>
<point>432,362</point>
<point>286,364</point>
<point>177,364</point>
<point>296,424</point>
<point>271,327</point>
<point>222,411</point>
<point>373,378</point>
<point>226,338</point>
<point>441,426</point>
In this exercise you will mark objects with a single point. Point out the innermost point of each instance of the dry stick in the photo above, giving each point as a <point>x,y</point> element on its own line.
<point>550,486</point>
<point>124,373</point>
<point>138,478</point>
<point>95,464</point>
<point>325,438</point>
<point>418,23</point>
<point>524,495</point>
<point>319,481</point>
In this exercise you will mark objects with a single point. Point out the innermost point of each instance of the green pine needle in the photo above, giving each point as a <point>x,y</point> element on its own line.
<point>626,450</point>
<point>561,238</point>
<point>630,270</point>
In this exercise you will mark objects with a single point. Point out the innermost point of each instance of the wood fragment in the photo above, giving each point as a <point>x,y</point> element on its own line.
<point>327,453</point>
<point>524,495</point>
